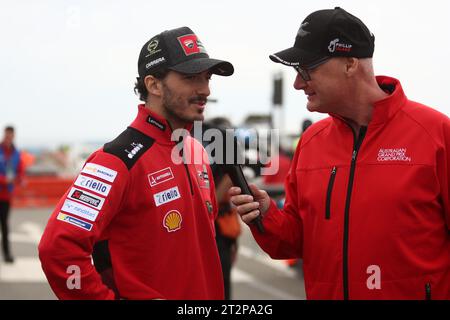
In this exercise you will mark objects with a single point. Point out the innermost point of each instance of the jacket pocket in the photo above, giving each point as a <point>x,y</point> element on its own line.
<point>329,192</point>
<point>428,291</point>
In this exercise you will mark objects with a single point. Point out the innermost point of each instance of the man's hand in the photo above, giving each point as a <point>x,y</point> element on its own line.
<point>247,207</point>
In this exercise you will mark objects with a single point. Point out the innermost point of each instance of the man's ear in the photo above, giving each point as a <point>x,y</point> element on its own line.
<point>351,66</point>
<point>153,85</point>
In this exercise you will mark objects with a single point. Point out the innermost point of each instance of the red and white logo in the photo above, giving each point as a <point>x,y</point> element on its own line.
<point>160,176</point>
<point>202,177</point>
<point>190,44</point>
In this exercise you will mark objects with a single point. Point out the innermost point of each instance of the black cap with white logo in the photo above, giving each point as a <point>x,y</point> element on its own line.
<point>328,33</point>
<point>179,50</point>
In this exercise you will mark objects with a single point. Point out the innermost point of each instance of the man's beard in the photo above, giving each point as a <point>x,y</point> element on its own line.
<point>172,104</point>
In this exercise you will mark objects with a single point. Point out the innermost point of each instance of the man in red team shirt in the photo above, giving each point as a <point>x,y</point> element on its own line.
<point>144,215</point>
<point>367,198</point>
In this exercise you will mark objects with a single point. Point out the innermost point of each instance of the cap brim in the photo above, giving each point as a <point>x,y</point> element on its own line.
<point>294,57</point>
<point>199,65</point>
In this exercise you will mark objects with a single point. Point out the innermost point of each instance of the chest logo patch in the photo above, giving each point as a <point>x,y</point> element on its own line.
<point>398,154</point>
<point>166,196</point>
<point>172,221</point>
<point>160,176</point>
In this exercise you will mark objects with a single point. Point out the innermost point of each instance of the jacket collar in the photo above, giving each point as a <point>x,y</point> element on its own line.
<point>154,125</point>
<point>386,108</point>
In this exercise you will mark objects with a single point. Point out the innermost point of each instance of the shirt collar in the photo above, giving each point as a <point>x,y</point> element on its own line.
<point>154,125</point>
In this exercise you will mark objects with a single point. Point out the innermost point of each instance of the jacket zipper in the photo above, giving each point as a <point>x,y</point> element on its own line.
<point>184,162</point>
<point>329,191</point>
<point>358,141</point>
<point>428,291</point>
<point>189,178</point>
<point>187,171</point>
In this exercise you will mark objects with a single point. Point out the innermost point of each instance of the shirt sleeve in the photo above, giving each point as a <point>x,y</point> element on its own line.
<point>78,222</point>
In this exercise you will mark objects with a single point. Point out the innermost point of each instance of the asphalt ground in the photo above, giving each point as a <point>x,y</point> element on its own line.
<point>254,276</point>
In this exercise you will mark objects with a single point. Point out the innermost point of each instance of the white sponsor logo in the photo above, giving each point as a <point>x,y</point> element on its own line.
<point>93,185</point>
<point>160,176</point>
<point>155,62</point>
<point>80,210</point>
<point>332,46</point>
<point>136,148</point>
<point>87,198</point>
<point>166,196</point>
<point>398,154</point>
<point>76,222</point>
<point>100,171</point>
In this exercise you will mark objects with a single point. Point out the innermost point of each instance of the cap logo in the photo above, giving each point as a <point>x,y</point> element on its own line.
<point>341,47</point>
<point>152,47</point>
<point>191,44</point>
<point>301,32</point>
<point>332,46</point>
<point>154,62</point>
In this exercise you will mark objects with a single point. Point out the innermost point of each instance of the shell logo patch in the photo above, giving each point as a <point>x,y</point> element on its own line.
<point>172,221</point>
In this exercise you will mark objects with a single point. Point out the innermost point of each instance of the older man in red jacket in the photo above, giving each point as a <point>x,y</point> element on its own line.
<point>367,198</point>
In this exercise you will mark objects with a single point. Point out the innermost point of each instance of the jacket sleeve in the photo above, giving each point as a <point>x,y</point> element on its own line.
<point>283,237</point>
<point>77,223</point>
<point>443,170</point>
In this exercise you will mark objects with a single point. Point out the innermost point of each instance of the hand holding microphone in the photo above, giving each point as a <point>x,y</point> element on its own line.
<point>251,202</point>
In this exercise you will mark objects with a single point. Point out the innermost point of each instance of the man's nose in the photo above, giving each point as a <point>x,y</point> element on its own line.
<point>203,88</point>
<point>299,83</point>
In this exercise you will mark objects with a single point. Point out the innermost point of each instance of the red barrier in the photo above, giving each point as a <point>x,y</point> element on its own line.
<point>40,192</point>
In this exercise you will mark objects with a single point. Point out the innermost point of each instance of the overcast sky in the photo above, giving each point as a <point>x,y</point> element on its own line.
<point>68,66</point>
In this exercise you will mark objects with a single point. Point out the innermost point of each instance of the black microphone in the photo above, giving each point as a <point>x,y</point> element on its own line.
<point>238,179</point>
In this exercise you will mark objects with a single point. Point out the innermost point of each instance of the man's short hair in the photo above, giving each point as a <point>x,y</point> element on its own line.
<point>141,90</point>
<point>9,128</point>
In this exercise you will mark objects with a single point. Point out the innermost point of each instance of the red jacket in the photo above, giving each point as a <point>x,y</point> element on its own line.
<point>370,218</point>
<point>151,219</point>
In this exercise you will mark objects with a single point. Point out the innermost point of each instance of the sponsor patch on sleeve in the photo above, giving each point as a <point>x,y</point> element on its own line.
<point>80,210</point>
<point>87,198</point>
<point>166,196</point>
<point>93,185</point>
<point>75,221</point>
<point>100,171</point>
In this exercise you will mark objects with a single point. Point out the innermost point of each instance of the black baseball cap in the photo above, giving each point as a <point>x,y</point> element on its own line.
<point>328,33</point>
<point>179,50</point>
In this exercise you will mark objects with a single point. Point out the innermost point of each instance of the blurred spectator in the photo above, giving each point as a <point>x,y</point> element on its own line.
<point>284,159</point>
<point>11,172</point>
<point>305,125</point>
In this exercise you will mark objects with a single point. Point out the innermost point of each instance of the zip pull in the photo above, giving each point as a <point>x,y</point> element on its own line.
<point>354,155</point>
<point>428,291</point>
<point>329,192</point>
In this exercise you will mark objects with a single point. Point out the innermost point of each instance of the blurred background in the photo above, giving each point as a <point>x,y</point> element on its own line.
<point>68,70</point>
